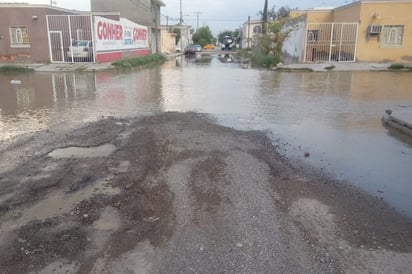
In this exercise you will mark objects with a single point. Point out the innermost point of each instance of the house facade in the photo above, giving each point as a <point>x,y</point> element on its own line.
<point>43,33</point>
<point>168,40</point>
<point>142,12</point>
<point>362,31</point>
<point>251,29</point>
<point>23,32</point>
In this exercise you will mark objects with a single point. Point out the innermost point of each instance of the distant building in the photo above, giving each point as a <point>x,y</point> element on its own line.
<point>250,31</point>
<point>363,31</point>
<point>142,12</point>
<point>168,40</point>
<point>186,34</point>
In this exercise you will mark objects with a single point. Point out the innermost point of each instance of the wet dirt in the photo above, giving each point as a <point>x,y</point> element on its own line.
<point>177,193</point>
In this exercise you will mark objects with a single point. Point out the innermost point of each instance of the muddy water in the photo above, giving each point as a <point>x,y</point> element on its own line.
<point>335,116</point>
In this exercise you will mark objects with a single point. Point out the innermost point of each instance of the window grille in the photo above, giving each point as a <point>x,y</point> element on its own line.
<point>19,36</point>
<point>393,35</point>
<point>257,29</point>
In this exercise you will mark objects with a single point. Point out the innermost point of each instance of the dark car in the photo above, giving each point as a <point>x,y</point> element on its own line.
<point>227,43</point>
<point>190,50</point>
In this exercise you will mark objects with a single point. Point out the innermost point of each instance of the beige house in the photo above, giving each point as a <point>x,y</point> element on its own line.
<point>250,31</point>
<point>168,40</point>
<point>362,31</point>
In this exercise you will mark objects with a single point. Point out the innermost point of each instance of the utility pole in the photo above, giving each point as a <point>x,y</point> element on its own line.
<point>181,14</point>
<point>248,32</point>
<point>197,15</point>
<point>265,17</point>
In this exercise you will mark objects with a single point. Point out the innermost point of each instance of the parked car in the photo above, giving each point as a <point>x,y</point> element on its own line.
<point>198,47</point>
<point>81,49</point>
<point>190,50</point>
<point>209,46</point>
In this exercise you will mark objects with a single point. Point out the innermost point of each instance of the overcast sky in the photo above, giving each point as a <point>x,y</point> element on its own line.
<point>219,15</point>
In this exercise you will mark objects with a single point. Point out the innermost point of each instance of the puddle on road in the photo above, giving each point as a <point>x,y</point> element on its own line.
<point>61,203</point>
<point>83,152</point>
<point>56,204</point>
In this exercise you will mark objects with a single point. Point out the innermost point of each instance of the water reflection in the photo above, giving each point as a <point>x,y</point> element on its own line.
<point>226,58</point>
<point>335,115</point>
<point>43,100</point>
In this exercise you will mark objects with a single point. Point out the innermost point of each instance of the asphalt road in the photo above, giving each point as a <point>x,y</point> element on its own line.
<point>175,193</point>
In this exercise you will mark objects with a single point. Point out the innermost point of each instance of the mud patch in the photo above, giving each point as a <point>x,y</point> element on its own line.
<point>205,182</point>
<point>40,243</point>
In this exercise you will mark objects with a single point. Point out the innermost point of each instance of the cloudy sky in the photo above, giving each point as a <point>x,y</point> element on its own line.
<point>219,15</point>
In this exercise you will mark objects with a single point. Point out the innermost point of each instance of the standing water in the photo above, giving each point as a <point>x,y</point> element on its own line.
<point>334,116</point>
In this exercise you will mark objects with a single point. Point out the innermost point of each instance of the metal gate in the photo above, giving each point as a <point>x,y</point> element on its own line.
<point>331,42</point>
<point>70,38</point>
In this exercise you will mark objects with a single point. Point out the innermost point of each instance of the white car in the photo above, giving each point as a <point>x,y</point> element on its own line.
<point>81,49</point>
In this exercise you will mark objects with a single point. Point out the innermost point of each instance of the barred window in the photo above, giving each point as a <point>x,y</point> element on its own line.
<point>392,35</point>
<point>312,36</point>
<point>19,36</point>
<point>257,29</point>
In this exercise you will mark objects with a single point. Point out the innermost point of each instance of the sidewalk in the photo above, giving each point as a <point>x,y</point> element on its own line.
<point>338,66</point>
<point>318,67</point>
<point>64,67</point>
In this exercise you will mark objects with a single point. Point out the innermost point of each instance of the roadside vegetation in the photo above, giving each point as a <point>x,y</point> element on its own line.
<point>14,69</point>
<point>148,60</point>
<point>398,66</point>
<point>203,36</point>
<point>267,52</point>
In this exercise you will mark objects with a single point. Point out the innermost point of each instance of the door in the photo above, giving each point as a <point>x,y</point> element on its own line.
<point>331,42</point>
<point>56,47</point>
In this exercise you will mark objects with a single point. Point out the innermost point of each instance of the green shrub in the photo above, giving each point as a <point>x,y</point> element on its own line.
<point>140,61</point>
<point>14,68</point>
<point>397,66</point>
<point>262,60</point>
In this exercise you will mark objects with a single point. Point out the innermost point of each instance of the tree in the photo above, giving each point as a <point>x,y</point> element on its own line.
<point>203,36</point>
<point>274,14</point>
<point>283,12</point>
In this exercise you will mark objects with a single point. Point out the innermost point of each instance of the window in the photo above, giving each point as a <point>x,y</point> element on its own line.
<point>19,37</point>
<point>392,35</point>
<point>312,36</point>
<point>257,29</point>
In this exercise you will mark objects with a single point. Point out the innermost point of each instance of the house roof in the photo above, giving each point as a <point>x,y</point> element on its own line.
<point>354,3</point>
<point>159,2</point>
<point>26,5</point>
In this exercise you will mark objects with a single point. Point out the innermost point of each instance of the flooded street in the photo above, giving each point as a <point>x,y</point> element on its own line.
<point>334,116</point>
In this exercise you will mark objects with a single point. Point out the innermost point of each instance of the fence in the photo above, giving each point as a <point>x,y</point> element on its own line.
<point>70,38</point>
<point>331,42</point>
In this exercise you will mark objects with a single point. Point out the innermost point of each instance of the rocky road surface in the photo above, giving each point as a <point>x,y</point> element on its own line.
<point>176,193</point>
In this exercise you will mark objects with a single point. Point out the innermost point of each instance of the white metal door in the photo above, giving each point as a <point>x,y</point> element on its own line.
<point>56,46</point>
<point>74,43</point>
<point>331,42</point>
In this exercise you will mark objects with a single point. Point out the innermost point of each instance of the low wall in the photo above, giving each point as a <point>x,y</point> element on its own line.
<point>105,57</point>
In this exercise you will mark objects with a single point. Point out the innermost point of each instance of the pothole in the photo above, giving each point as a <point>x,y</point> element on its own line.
<point>59,203</point>
<point>83,152</point>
